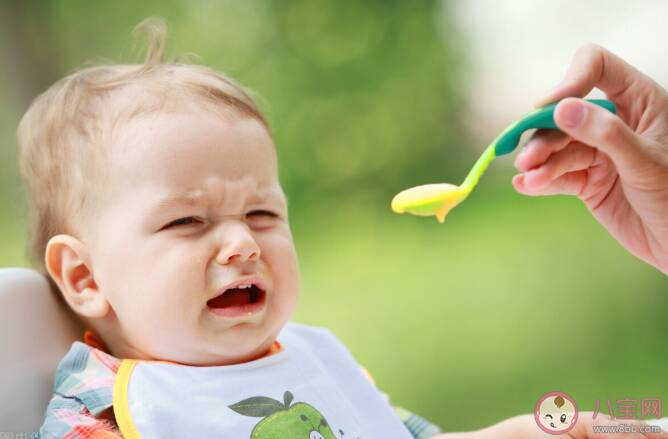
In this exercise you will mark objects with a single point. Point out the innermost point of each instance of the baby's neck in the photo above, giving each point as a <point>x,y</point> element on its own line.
<point>122,350</point>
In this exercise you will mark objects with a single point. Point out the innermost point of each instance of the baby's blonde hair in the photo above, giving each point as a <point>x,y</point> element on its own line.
<point>66,132</point>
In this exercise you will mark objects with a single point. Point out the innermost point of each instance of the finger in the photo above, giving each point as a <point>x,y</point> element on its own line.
<point>587,429</point>
<point>597,127</point>
<point>572,183</point>
<point>586,425</point>
<point>539,147</point>
<point>575,157</point>
<point>649,432</point>
<point>593,66</point>
<point>640,429</point>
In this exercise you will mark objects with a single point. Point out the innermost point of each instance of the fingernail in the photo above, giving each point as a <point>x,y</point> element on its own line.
<point>529,145</point>
<point>572,115</point>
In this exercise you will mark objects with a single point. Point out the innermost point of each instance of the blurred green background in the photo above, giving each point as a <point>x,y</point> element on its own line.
<point>464,323</point>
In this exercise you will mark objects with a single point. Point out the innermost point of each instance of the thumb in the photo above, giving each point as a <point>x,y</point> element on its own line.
<point>598,127</point>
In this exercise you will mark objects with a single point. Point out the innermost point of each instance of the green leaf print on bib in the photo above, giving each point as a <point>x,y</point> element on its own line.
<point>282,420</point>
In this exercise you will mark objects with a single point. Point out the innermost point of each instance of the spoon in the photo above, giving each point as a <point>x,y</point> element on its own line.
<point>439,198</point>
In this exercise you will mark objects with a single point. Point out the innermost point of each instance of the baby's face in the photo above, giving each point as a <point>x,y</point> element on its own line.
<point>194,206</point>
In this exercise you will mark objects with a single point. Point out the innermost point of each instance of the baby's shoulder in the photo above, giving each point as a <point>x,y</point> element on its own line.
<point>82,392</point>
<point>87,374</point>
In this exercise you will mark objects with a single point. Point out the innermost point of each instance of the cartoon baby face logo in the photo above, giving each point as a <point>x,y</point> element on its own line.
<point>556,413</point>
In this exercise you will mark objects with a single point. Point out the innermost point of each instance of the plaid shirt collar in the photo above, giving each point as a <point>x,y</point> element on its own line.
<point>87,374</point>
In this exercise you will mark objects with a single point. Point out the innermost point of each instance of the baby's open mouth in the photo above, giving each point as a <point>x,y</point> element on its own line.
<point>240,296</point>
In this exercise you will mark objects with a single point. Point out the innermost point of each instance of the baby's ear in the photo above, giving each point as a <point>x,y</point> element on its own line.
<point>67,261</point>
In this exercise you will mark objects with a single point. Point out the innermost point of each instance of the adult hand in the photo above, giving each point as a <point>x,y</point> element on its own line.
<point>524,427</point>
<point>617,165</point>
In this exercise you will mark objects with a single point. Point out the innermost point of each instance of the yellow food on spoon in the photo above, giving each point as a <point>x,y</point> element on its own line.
<point>430,199</point>
<point>439,198</point>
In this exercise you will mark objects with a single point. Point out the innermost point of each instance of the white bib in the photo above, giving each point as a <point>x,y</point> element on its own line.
<point>312,389</point>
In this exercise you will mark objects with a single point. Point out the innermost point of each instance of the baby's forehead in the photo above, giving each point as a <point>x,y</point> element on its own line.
<point>142,110</point>
<point>195,153</point>
<point>180,139</point>
<point>135,104</point>
<point>216,194</point>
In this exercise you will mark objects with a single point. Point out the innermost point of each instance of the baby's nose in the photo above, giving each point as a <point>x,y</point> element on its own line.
<point>242,256</point>
<point>237,245</point>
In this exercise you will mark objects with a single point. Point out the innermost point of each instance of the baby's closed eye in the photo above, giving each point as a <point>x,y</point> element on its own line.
<point>261,213</point>
<point>186,221</point>
<point>255,216</point>
<point>262,218</point>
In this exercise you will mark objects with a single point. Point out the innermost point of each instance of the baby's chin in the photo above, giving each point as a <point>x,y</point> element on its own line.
<point>235,356</point>
<point>233,347</point>
<point>211,341</point>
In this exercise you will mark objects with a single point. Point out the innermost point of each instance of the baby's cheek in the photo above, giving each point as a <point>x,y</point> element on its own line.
<point>279,254</point>
<point>282,257</point>
<point>159,284</point>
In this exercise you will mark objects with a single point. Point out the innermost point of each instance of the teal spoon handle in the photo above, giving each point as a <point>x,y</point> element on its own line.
<point>540,118</point>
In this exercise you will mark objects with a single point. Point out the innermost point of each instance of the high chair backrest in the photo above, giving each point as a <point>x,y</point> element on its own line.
<point>36,331</point>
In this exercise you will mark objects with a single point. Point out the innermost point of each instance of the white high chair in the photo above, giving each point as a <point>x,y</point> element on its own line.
<point>36,330</point>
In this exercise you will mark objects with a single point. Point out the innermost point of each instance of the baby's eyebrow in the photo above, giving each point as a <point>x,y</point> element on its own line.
<point>198,198</point>
<point>194,199</point>
<point>271,197</point>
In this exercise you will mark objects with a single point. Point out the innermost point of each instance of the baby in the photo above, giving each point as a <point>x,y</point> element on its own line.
<point>157,208</point>
<point>157,212</point>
